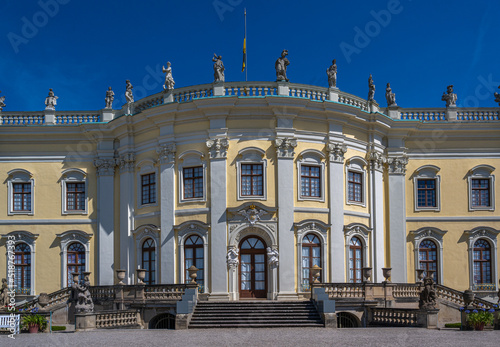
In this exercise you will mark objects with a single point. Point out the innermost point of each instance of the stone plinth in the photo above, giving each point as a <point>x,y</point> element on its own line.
<point>428,318</point>
<point>85,321</point>
<point>393,112</point>
<point>333,94</point>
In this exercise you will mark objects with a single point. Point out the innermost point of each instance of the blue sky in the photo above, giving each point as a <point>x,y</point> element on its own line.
<point>79,48</point>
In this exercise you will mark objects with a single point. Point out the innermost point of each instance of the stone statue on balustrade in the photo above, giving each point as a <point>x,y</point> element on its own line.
<point>110,97</point>
<point>281,65</point>
<point>272,257</point>
<point>2,104</point>
<point>332,74</point>
<point>51,101</point>
<point>371,89</point>
<point>82,296</point>
<point>129,96</point>
<point>232,257</point>
<point>390,96</point>
<point>4,294</point>
<point>428,295</point>
<point>450,97</point>
<point>497,98</point>
<point>218,69</point>
<point>169,80</point>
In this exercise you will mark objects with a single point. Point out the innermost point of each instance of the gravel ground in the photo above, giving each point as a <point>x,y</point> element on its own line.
<point>261,337</point>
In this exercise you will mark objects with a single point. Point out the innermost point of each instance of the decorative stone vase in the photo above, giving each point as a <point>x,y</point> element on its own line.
<point>468,297</point>
<point>43,299</point>
<point>431,273</point>
<point>315,272</point>
<point>420,275</point>
<point>192,274</point>
<point>367,274</point>
<point>86,276</point>
<point>386,271</point>
<point>75,277</point>
<point>33,328</point>
<point>141,275</point>
<point>120,274</point>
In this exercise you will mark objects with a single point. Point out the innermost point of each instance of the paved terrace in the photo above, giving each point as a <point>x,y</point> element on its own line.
<point>359,337</point>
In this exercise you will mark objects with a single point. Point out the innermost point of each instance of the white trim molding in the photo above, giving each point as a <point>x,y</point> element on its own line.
<point>427,172</point>
<point>145,167</point>
<point>73,176</point>
<point>436,235</point>
<point>356,164</point>
<point>66,239</point>
<point>251,155</point>
<point>20,176</point>
<point>311,157</point>
<point>490,235</point>
<point>363,232</point>
<point>189,159</point>
<point>141,234</point>
<point>482,172</point>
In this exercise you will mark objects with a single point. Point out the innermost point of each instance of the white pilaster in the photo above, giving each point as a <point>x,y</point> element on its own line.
<point>126,163</point>
<point>166,158</point>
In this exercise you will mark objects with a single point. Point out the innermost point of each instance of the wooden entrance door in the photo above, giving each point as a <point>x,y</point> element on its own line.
<point>253,268</point>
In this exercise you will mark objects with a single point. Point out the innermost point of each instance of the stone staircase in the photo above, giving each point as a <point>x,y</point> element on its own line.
<point>255,314</point>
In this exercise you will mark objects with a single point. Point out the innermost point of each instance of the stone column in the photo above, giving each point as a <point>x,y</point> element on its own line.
<point>126,163</point>
<point>166,158</point>
<point>336,152</point>
<point>218,203</point>
<point>105,219</point>
<point>397,217</point>
<point>377,160</point>
<point>285,154</point>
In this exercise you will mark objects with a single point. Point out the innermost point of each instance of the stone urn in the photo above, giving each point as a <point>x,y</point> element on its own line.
<point>315,272</point>
<point>468,297</point>
<point>86,276</point>
<point>431,274</point>
<point>367,274</point>
<point>75,276</point>
<point>193,274</point>
<point>43,299</point>
<point>386,271</point>
<point>420,275</point>
<point>141,275</point>
<point>120,274</point>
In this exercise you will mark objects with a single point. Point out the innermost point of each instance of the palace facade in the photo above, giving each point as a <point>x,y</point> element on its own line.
<point>223,176</point>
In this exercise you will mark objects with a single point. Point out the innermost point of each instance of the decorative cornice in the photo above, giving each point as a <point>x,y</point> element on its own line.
<point>376,159</point>
<point>218,148</point>
<point>166,153</point>
<point>127,162</point>
<point>336,151</point>
<point>285,147</point>
<point>397,165</point>
<point>105,166</point>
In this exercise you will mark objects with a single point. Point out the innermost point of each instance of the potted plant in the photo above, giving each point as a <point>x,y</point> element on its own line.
<point>479,318</point>
<point>34,323</point>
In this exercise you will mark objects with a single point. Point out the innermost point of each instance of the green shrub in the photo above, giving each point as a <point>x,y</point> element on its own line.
<point>453,325</point>
<point>58,328</point>
<point>32,319</point>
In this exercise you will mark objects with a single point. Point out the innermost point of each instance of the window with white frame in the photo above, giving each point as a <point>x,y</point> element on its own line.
<point>311,170</point>
<point>148,188</point>
<point>147,183</point>
<point>356,181</point>
<point>192,176</point>
<point>74,191</point>
<point>481,184</point>
<point>428,248</point>
<point>482,249</point>
<point>251,173</point>
<point>356,243</point>
<point>147,239</point>
<point>426,184</point>
<point>20,192</point>
<point>75,253</point>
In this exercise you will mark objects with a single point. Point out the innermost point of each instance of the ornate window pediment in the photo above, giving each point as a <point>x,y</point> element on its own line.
<point>481,188</point>
<point>436,235</point>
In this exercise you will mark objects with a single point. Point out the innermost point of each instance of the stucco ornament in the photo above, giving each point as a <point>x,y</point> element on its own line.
<point>169,80</point>
<point>105,167</point>
<point>390,96</point>
<point>371,89</point>
<point>252,214</point>
<point>450,97</point>
<point>272,257</point>
<point>281,65</point>
<point>285,147</point>
<point>497,98</point>
<point>336,151</point>
<point>397,165</point>
<point>129,95</point>
<point>110,97</point>
<point>332,74</point>
<point>218,68</point>
<point>2,104</point>
<point>218,147</point>
<point>82,295</point>
<point>51,101</point>
<point>232,257</point>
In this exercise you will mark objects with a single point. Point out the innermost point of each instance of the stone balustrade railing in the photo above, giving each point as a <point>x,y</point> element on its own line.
<point>22,118</point>
<point>406,290</point>
<point>349,99</point>
<point>393,317</point>
<point>77,117</point>
<point>101,293</point>
<point>343,290</point>
<point>117,319</point>
<point>164,292</point>
<point>423,114</point>
<point>55,298</point>
<point>308,92</point>
<point>456,297</point>
<point>250,88</point>
<point>192,93</point>
<point>484,114</point>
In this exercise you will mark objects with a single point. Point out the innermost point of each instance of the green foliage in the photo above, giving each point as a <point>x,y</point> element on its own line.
<point>34,319</point>
<point>453,325</point>
<point>58,328</point>
<point>482,316</point>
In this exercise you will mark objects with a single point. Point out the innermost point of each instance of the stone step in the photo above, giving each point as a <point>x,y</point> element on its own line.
<point>256,314</point>
<point>258,325</point>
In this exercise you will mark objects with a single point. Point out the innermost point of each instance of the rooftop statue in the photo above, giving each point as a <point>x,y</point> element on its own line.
<point>450,97</point>
<point>371,89</point>
<point>390,96</point>
<point>218,68</point>
<point>110,96</point>
<point>332,74</point>
<point>281,65</point>
<point>497,99</point>
<point>51,101</point>
<point>2,104</point>
<point>128,92</point>
<point>169,80</point>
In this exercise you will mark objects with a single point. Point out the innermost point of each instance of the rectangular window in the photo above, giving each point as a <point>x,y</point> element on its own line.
<point>481,193</point>
<point>252,178</point>
<point>426,193</point>
<point>75,196</point>
<point>148,188</point>
<point>22,196</point>
<point>355,187</point>
<point>193,182</point>
<point>310,184</point>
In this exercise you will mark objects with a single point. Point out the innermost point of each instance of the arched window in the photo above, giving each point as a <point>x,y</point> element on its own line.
<point>193,255</point>
<point>149,261</point>
<point>311,255</point>
<point>355,260</point>
<point>482,262</point>
<point>22,263</point>
<point>427,257</point>
<point>75,261</point>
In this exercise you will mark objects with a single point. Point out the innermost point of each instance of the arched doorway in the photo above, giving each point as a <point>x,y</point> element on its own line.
<point>253,268</point>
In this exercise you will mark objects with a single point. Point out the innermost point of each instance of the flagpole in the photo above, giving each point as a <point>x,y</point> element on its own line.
<point>246,58</point>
